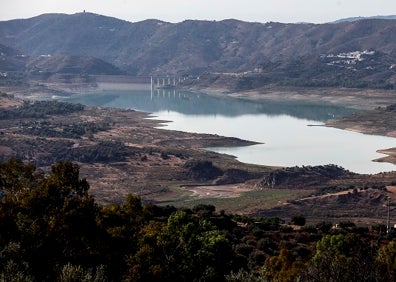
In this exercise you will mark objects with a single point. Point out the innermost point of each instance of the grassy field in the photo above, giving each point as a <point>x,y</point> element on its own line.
<point>248,202</point>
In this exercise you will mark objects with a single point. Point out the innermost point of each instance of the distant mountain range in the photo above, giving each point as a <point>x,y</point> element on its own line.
<point>354,19</point>
<point>305,53</point>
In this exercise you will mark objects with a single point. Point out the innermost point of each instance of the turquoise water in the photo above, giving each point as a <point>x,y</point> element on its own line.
<point>282,127</point>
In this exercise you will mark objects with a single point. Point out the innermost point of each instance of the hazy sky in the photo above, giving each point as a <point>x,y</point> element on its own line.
<point>316,11</point>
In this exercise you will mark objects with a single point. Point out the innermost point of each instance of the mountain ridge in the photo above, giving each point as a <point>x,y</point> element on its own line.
<point>191,47</point>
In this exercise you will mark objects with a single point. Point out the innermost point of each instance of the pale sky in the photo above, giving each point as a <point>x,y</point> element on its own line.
<point>285,11</point>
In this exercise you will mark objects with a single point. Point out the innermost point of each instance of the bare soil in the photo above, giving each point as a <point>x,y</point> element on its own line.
<point>8,102</point>
<point>218,191</point>
<point>391,155</point>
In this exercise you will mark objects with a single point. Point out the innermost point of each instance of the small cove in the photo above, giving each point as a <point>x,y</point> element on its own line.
<point>281,127</point>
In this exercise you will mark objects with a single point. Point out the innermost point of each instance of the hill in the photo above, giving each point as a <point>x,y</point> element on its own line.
<point>359,69</point>
<point>17,68</point>
<point>193,47</point>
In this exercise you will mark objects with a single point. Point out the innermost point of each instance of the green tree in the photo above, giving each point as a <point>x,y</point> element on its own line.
<point>385,262</point>
<point>245,276</point>
<point>149,263</point>
<point>65,177</point>
<point>341,258</point>
<point>122,224</point>
<point>15,176</point>
<point>54,222</point>
<point>284,268</point>
<point>76,273</point>
<point>186,248</point>
<point>13,267</point>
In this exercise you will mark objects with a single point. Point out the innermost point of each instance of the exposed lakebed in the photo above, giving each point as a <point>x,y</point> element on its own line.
<point>290,132</point>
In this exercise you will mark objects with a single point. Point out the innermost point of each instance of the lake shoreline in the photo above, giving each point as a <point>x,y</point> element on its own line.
<point>156,177</point>
<point>360,99</point>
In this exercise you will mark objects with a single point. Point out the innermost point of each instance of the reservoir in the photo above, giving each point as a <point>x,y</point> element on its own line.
<point>290,133</point>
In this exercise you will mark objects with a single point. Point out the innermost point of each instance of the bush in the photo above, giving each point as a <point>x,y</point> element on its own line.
<point>244,249</point>
<point>298,220</point>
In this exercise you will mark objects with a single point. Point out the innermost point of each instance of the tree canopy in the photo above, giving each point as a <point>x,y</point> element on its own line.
<point>52,229</point>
